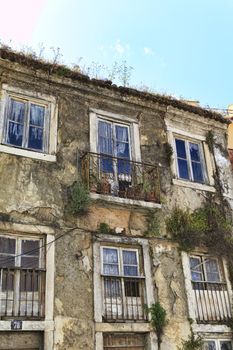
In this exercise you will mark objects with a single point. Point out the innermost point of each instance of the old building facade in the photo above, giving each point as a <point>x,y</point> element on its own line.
<point>80,279</point>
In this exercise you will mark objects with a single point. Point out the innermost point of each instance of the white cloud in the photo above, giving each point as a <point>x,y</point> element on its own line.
<point>120,49</point>
<point>148,51</point>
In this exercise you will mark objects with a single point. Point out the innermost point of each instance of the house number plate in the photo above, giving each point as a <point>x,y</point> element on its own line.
<point>16,325</point>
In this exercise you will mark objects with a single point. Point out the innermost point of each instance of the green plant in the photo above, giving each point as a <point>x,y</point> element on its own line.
<point>158,319</point>
<point>78,198</point>
<point>104,228</point>
<point>210,140</point>
<point>153,224</point>
<point>192,343</point>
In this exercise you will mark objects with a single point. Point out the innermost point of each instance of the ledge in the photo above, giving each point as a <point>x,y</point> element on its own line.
<point>194,185</point>
<point>123,327</point>
<point>28,325</point>
<point>211,328</point>
<point>28,154</point>
<point>125,201</point>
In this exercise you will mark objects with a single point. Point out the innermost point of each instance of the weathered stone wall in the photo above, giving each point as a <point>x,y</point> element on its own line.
<point>33,191</point>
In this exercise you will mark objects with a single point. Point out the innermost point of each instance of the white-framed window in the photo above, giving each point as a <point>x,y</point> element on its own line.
<point>205,269</point>
<point>123,284</point>
<point>190,160</point>
<point>22,276</point>
<point>114,141</point>
<point>217,345</point>
<point>28,125</point>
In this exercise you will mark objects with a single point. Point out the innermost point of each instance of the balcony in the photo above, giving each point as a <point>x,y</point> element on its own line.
<point>121,178</point>
<point>212,302</point>
<point>22,293</point>
<point>124,299</point>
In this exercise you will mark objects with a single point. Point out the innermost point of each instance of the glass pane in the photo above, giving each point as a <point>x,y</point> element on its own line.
<point>196,270</point>
<point>105,129</point>
<point>106,164</point>
<point>194,152</point>
<point>35,138</point>
<point>180,149</point>
<point>37,115</point>
<point>7,245</point>
<point>210,345</point>
<point>122,150</point>
<point>30,262</point>
<point>7,260</point>
<point>15,134</point>
<point>30,247</point>
<point>212,272</point>
<point>131,288</point>
<point>226,345</point>
<point>122,133</point>
<point>112,287</point>
<point>28,281</point>
<point>7,280</point>
<point>110,255</point>
<point>130,270</point>
<point>105,145</point>
<point>110,269</point>
<point>17,111</point>
<point>183,169</point>
<point>129,257</point>
<point>197,172</point>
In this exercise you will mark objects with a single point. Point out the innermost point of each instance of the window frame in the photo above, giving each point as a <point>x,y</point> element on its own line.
<point>120,261</point>
<point>203,259</point>
<point>217,342</point>
<point>187,142</point>
<point>48,153</point>
<point>25,139</point>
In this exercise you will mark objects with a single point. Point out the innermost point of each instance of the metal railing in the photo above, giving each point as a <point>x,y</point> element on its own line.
<point>212,302</point>
<point>22,293</point>
<point>121,177</point>
<point>124,298</point>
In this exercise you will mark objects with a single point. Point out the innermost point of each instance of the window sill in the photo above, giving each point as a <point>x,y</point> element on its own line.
<point>122,201</point>
<point>194,185</point>
<point>29,325</point>
<point>26,153</point>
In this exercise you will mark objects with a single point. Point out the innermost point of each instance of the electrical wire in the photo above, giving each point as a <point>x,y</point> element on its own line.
<point>5,260</point>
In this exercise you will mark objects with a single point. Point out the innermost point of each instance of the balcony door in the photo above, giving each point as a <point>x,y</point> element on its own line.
<point>115,150</point>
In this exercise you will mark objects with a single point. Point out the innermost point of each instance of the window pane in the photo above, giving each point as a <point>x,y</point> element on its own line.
<point>180,149</point>
<point>129,257</point>
<point>30,262</point>
<point>37,115</point>
<point>226,345</point>
<point>130,270</point>
<point>194,152</point>
<point>212,271</point>
<point>112,287</point>
<point>29,281</point>
<point>197,172</point>
<point>15,134</point>
<point>35,140</point>
<point>131,288</point>
<point>7,245</point>
<point>122,133</point>
<point>30,247</point>
<point>122,150</point>
<point>17,110</point>
<point>111,269</point>
<point>210,345</point>
<point>196,270</point>
<point>183,169</point>
<point>110,255</point>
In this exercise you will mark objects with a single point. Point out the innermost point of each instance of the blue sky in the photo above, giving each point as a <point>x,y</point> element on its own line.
<point>178,47</point>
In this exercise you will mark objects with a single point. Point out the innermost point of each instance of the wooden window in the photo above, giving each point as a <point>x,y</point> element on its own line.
<point>204,269</point>
<point>217,345</point>
<point>120,341</point>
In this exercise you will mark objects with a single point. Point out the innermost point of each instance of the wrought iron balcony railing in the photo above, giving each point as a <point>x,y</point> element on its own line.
<point>124,298</point>
<point>121,177</point>
<point>22,293</point>
<point>212,302</point>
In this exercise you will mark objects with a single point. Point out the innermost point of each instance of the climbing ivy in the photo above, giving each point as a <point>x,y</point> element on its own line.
<point>158,319</point>
<point>78,199</point>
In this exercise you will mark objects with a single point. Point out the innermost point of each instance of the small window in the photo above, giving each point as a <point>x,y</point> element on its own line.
<point>217,345</point>
<point>190,160</point>
<point>26,125</point>
<point>121,341</point>
<point>204,269</point>
<point>22,276</point>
